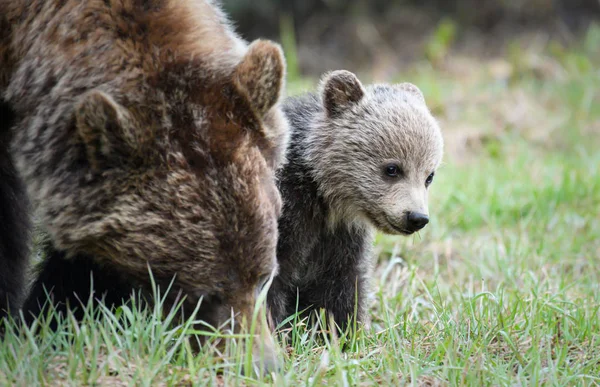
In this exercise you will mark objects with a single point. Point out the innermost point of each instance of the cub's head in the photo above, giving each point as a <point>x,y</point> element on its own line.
<point>181,177</point>
<point>376,151</point>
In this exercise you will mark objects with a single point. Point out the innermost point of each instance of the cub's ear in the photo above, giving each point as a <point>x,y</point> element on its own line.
<point>340,89</point>
<point>102,126</point>
<point>260,75</point>
<point>411,89</point>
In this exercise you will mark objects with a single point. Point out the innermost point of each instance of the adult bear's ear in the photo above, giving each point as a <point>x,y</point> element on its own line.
<point>412,90</point>
<point>102,125</point>
<point>260,75</point>
<point>340,90</point>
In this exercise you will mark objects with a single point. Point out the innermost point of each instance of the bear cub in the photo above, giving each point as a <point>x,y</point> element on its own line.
<point>360,160</point>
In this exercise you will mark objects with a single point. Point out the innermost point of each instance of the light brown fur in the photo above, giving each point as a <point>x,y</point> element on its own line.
<point>337,190</point>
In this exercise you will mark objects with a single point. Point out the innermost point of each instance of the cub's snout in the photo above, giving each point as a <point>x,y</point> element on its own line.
<point>415,221</point>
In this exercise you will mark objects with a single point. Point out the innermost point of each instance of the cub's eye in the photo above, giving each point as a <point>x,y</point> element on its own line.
<point>429,179</point>
<point>392,170</point>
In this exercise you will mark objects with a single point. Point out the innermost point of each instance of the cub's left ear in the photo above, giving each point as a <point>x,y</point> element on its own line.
<point>260,75</point>
<point>340,89</point>
<point>411,89</point>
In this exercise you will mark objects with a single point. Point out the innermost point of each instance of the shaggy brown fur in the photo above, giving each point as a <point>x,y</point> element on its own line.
<point>146,133</point>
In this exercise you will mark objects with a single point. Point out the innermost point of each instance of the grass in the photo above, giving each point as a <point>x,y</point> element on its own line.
<point>503,288</point>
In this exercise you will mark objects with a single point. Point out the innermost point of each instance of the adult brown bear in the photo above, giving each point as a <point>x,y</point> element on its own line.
<point>144,134</point>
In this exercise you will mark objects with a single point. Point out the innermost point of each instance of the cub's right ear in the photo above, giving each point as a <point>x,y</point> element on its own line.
<point>340,89</point>
<point>102,126</point>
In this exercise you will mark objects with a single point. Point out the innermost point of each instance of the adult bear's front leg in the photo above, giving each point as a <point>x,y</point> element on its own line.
<point>68,284</point>
<point>14,222</point>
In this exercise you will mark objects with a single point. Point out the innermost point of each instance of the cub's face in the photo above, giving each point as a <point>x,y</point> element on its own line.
<point>383,149</point>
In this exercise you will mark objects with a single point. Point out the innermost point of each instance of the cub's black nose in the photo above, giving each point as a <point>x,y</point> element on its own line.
<point>416,221</point>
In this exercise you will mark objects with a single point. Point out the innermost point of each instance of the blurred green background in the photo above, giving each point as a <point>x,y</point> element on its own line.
<point>375,37</point>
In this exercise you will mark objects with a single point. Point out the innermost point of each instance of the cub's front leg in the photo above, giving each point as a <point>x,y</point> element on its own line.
<point>342,287</point>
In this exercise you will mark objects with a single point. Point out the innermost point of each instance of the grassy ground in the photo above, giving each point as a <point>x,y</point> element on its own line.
<point>502,288</point>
